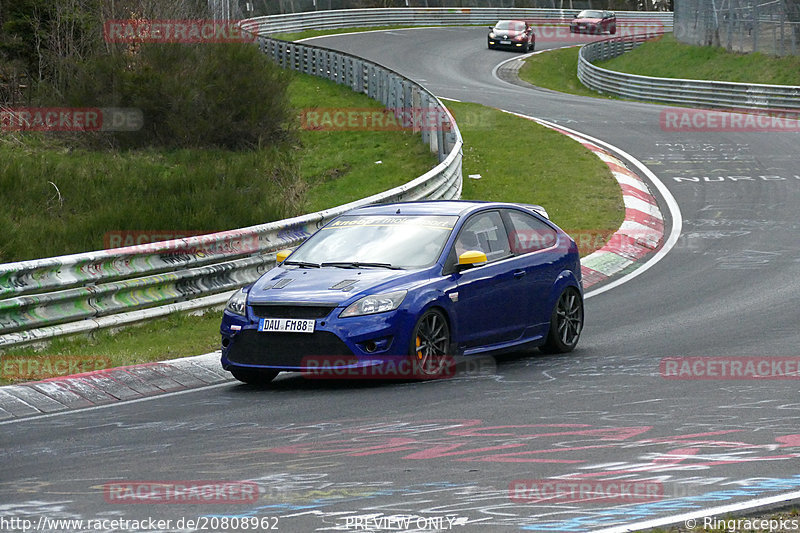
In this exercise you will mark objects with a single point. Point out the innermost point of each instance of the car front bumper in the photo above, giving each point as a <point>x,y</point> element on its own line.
<point>510,45</point>
<point>340,342</point>
<point>585,28</point>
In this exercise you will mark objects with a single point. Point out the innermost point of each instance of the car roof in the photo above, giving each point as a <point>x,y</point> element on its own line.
<point>432,207</point>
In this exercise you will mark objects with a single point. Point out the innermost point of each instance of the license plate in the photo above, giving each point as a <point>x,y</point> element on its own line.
<point>286,325</point>
<point>505,42</point>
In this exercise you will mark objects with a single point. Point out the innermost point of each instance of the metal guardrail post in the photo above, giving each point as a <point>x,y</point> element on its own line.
<point>326,64</point>
<point>372,85</point>
<point>425,131</point>
<point>416,106</point>
<point>440,142</point>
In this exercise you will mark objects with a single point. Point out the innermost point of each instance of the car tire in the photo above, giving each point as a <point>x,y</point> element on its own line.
<point>254,377</point>
<point>430,346</point>
<point>566,323</point>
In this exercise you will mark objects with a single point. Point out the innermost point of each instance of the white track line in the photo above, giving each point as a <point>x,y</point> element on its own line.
<point>114,404</point>
<point>695,515</point>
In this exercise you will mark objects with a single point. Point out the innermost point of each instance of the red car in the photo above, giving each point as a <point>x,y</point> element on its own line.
<point>512,35</point>
<point>594,21</point>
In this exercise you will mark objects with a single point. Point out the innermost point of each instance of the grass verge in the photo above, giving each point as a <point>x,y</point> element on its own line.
<point>337,167</point>
<point>536,165</point>
<point>60,200</point>
<point>175,336</point>
<point>663,58</point>
<point>539,166</point>
<point>667,58</point>
<point>556,70</point>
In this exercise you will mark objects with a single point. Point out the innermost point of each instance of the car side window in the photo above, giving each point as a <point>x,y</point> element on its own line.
<point>529,234</point>
<point>486,233</point>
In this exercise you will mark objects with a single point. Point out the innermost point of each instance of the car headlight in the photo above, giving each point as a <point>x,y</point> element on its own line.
<point>237,304</point>
<point>378,303</point>
<point>520,37</point>
<point>491,35</point>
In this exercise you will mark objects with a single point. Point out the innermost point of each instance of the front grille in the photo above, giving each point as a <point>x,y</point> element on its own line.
<point>293,311</point>
<point>251,347</point>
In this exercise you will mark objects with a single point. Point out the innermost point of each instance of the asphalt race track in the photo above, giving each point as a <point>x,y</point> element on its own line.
<point>333,455</point>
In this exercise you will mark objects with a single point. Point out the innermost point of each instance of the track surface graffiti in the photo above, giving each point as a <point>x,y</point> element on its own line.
<point>692,468</point>
<point>332,475</point>
<point>472,440</point>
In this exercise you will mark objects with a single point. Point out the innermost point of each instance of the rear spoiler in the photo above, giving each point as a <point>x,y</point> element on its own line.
<point>537,209</point>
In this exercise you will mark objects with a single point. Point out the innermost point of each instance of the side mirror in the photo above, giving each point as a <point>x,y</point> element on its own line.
<point>471,258</point>
<point>281,256</point>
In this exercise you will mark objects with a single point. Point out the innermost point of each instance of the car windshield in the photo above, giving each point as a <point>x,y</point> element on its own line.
<point>589,14</point>
<point>377,240</point>
<point>512,25</point>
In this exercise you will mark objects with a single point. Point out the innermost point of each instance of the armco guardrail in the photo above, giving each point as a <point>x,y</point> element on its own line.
<point>713,94</point>
<point>50,297</point>
<point>437,16</point>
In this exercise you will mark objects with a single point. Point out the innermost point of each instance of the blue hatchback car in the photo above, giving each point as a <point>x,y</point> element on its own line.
<point>413,282</point>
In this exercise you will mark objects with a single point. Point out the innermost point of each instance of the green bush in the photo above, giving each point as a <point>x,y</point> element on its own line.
<point>191,96</point>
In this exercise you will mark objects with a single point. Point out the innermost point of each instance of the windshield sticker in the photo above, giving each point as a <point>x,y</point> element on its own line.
<point>437,222</point>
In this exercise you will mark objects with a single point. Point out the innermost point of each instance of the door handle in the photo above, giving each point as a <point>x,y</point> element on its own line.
<point>518,274</point>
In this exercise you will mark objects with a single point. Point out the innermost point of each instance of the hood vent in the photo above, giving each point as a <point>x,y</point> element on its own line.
<point>282,283</point>
<point>344,285</point>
